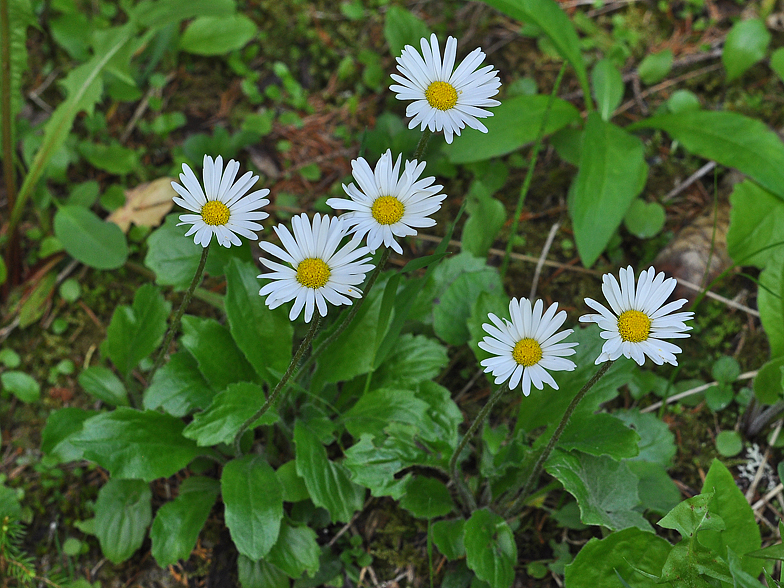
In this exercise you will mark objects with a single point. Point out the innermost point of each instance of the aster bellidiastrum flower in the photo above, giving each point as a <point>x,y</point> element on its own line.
<point>317,271</point>
<point>223,208</point>
<point>387,204</point>
<point>639,321</point>
<point>528,346</point>
<point>445,98</point>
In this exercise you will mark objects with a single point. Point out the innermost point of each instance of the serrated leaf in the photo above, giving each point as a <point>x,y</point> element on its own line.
<point>178,387</point>
<point>60,427</point>
<point>612,172</point>
<point>601,562</point>
<point>178,523</point>
<point>216,35</point>
<point>515,123</point>
<point>746,44</point>
<point>220,361</point>
<point>296,551</point>
<point>89,239</point>
<point>402,28</point>
<point>254,504</point>
<point>657,442</point>
<point>220,422</point>
<point>328,482</point>
<point>135,444</point>
<point>490,548</point>
<point>263,335</point>
<point>135,330</point>
<point>103,384</point>
<point>377,408</point>
<point>122,513</point>
<point>606,490</point>
<point>374,463</point>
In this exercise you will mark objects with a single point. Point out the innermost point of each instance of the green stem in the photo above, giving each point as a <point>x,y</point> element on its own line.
<point>6,120</point>
<point>465,494</point>
<point>420,148</point>
<point>554,439</point>
<point>530,173</point>
<point>351,313</point>
<point>281,385</point>
<point>174,327</point>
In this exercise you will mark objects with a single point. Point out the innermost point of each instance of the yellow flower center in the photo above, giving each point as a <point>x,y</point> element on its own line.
<point>215,212</point>
<point>527,352</point>
<point>634,326</point>
<point>387,210</point>
<point>313,273</point>
<point>441,95</point>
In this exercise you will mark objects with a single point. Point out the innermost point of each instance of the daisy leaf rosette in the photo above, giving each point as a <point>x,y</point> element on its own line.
<point>317,271</point>
<point>223,208</point>
<point>638,320</point>
<point>529,346</point>
<point>444,97</point>
<point>388,204</point>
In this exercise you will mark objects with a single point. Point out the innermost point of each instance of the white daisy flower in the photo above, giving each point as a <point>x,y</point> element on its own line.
<point>222,209</point>
<point>317,272</point>
<point>638,321</point>
<point>387,205</point>
<point>528,346</point>
<point>443,98</point>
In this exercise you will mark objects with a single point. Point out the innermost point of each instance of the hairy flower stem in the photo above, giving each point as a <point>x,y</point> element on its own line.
<point>281,385</point>
<point>174,327</point>
<point>13,256</point>
<point>348,317</point>
<point>465,495</point>
<point>554,439</point>
<point>530,173</point>
<point>420,148</point>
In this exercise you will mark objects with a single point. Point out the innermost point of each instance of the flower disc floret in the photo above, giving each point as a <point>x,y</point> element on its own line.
<point>528,347</point>
<point>638,320</point>
<point>315,269</point>
<point>223,207</point>
<point>445,98</point>
<point>386,203</point>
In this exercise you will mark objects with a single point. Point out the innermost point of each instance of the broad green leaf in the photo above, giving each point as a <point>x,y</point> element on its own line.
<point>402,28</point>
<point>22,385</point>
<point>655,66</point>
<point>612,172</point>
<point>777,62</point>
<point>658,493</point>
<point>415,359</point>
<point>767,383</point>
<point>692,515</point>
<point>112,158</point>
<point>515,123</point>
<point>60,427</point>
<point>657,442</point>
<point>103,384</point>
<point>729,443</point>
<point>135,331</point>
<point>89,239</point>
<point>742,533</point>
<point>644,219</point>
<point>376,409</point>
<point>548,16</point>
<point>9,504</point>
<point>294,489</point>
<point>427,498</point>
<point>38,301</point>
<point>296,551</point>
<point>770,301</point>
<point>490,548</point>
<point>178,523</point>
<point>741,578</point>
<point>178,387</point>
<point>122,513</point>
<point>260,574</point>
<point>171,256</point>
<point>486,214</point>
<point>599,434</point>
<point>756,219</point>
<point>254,504</point>
<point>263,335</point>
<point>135,444</point>
<point>328,482</point>
<point>498,304</point>
<point>606,490</point>
<point>690,565</point>
<point>601,562</point>
<point>730,139</point>
<point>156,14</point>
<point>439,429</point>
<point>448,538</point>
<point>608,87</point>
<point>745,45</point>
<point>84,87</point>
<point>220,361</point>
<point>220,422</point>
<point>683,101</point>
<point>216,35</point>
<point>373,463</point>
